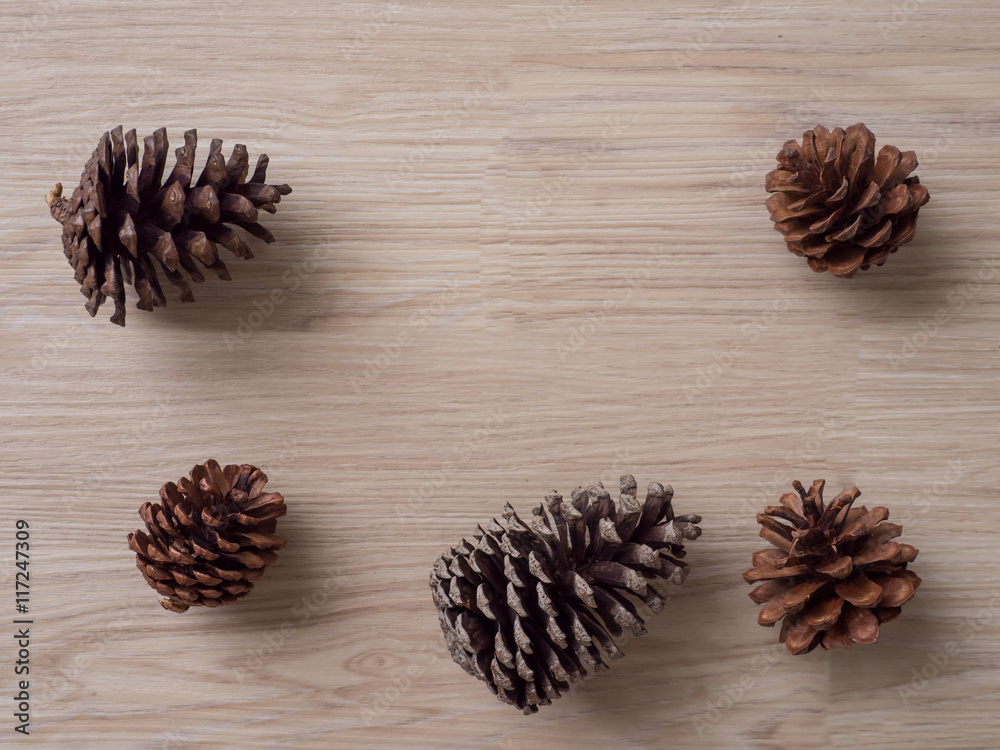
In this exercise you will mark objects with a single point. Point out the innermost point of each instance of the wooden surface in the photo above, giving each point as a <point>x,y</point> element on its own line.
<point>526,249</point>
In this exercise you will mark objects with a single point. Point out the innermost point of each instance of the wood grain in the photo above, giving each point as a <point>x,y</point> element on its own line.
<point>526,249</point>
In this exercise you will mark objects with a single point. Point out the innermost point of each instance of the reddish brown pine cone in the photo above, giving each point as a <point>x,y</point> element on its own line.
<point>211,538</point>
<point>838,204</point>
<point>835,574</point>
<point>125,224</point>
<point>532,606</point>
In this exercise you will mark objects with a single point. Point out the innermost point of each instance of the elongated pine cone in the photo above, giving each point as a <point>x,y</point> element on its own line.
<point>835,574</point>
<point>838,204</point>
<point>530,608</point>
<point>210,537</point>
<point>123,221</point>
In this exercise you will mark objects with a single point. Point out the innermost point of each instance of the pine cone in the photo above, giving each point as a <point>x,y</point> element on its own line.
<point>840,206</point>
<point>835,574</point>
<point>211,538</point>
<point>121,222</point>
<point>531,608</point>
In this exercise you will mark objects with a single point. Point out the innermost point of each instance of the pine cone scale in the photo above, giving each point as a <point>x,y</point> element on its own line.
<point>839,568</point>
<point>859,590</point>
<point>896,591</point>
<point>824,614</point>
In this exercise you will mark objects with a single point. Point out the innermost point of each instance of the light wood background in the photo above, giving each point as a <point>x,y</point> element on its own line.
<point>526,249</point>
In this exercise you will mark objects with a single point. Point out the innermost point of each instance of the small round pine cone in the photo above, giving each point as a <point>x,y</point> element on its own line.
<point>839,205</point>
<point>123,221</point>
<point>211,538</point>
<point>834,573</point>
<point>530,608</point>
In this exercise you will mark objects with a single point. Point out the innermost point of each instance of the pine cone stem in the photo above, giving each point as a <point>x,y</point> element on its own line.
<point>59,207</point>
